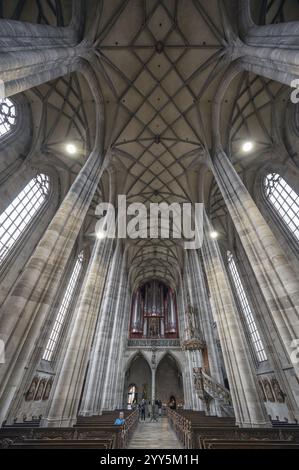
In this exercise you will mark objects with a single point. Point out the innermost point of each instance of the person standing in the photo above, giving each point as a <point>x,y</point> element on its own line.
<point>142,409</point>
<point>160,408</point>
<point>154,412</point>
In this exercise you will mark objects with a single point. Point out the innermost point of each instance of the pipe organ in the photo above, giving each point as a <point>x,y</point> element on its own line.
<point>154,312</point>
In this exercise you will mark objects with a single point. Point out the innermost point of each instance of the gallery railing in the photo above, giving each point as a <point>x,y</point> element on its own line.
<point>154,343</point>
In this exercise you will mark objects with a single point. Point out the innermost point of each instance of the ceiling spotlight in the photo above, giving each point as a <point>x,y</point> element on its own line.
<point>71,149</point>
<point>100,235</point>
<point>247,146</point>
<point>214,235</point>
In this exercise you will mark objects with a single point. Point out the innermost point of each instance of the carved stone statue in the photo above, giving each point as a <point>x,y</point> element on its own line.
<point>40,390</point>
<point>191,331</point>
<point>144,391</point>
<point>48,389</point>
<point>279,395</point>
<point>31,392</point>
<point>268,391</point>
<point>262,390</point>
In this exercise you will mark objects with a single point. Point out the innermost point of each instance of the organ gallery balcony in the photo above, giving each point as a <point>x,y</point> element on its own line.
<point>154,343</point>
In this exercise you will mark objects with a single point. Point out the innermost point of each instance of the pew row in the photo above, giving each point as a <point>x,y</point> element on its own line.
<point>195,430</point>
<point>97,431</point>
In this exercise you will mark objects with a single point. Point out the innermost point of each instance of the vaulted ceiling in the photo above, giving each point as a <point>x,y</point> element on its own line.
<point>159,65</point>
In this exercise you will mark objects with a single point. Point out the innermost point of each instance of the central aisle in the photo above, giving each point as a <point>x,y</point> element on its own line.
<point>154,436</point>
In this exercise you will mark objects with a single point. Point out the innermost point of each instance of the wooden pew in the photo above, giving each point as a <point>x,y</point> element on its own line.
<point>89,431</point>
<point>194,430</point>
<point>105,420</point>
<point>186,423</point>
<point>226,444</point>
<point>61,444</point>
<point>56,436</point>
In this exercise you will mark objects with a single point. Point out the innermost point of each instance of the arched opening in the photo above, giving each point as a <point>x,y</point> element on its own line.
<point>138,381</point>
<point>169,383</point>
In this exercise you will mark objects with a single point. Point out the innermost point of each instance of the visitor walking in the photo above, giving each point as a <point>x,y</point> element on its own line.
<point>142,408</point>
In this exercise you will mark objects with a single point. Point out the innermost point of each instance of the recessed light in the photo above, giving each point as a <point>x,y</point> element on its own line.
<point>100,235</point>
<point>214,235</point>
<point>71,149</point>
<point>247,146</point>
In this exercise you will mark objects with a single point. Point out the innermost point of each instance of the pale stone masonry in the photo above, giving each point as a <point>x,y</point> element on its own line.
<point>156,102</point>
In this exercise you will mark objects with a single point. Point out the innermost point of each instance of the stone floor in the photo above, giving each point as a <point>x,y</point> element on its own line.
<point>154,436</point>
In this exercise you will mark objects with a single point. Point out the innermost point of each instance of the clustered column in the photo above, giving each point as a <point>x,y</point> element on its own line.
<point>205,312</point>
<point>32,54</point>
<point>24,312</point>
<point>100,383</point>
<point>274,273</point>
<point>271,50</point>
<point>193,358</point>
<point>247,402</point>
<point>68,385</point>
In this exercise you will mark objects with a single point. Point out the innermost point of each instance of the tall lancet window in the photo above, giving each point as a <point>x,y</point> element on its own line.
<point>64,308</point>
<point>284,200</point>
<point>252,327</point>
<point>18,215</point>
<point>7,116</point>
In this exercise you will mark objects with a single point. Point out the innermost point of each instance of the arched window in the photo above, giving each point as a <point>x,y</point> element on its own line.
<point>252,327</point>
<point>132,395</point>
<point>64,308</point>
<point>284,200</point>
<point>7,116</point>
<point>18,215</point>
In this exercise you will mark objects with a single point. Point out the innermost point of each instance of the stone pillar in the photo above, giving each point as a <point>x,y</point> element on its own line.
<point>276,356</point>
<point>99,355</point>
<point>205,313</point>
<point>34,54</point>
<point>247,402</point>
<point>25,310</point>
<point>206,319</point>
<point>275,276</point>
<point>118,376</point>
<point>271,50</point>
<point>99,384</point>
<point>23,73</point>
<point>276,64</point>
<point>193,359</point>
<point>145,328</point>
<point>20,35</point>
<point>70,378</point>
<point>153,369</point>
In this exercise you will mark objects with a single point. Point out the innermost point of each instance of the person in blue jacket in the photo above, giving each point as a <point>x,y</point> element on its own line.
<point>120,421</point>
